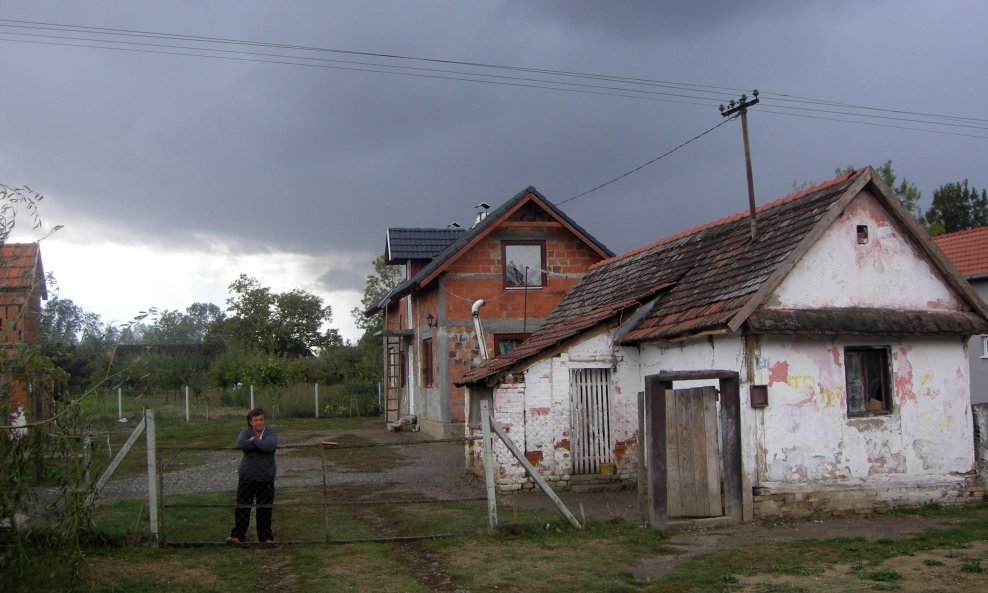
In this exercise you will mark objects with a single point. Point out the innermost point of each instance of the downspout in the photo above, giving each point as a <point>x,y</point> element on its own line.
<point>475,311</point>
<point>411,375</point>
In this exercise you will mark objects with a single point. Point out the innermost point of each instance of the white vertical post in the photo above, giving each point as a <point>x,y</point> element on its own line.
<point>251,396</point>
<point>186,403</point>
<point>317,399</point>
<point>485,423</point>
<point>119,403</point>
<point>152,475</point>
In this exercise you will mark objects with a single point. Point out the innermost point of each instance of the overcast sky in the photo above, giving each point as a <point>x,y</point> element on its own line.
<point>172,174</point>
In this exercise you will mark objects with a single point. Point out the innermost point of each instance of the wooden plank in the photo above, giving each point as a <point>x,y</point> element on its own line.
<point>712,453</point>
<point>108,473</point>
<point>485,423</point>
<point>535,475</point>
<point>673,471</point>
<point>656,392</point>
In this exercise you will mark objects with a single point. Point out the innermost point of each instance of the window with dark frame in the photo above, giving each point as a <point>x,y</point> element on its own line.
<point>427,373</point>
<point>867,378</point>
<point>984,346</point>
<point>504,343</point>
<point>524,262</point>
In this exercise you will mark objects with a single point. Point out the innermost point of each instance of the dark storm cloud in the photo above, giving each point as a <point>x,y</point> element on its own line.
<point>336,279</point>
<point>186,150</point>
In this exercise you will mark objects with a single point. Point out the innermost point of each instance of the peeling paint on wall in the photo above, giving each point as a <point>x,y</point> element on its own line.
<point>778,373</point>
<point>902,375</point>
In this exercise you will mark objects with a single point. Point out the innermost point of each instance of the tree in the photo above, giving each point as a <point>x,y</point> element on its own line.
<point>957,207</point>
<point>193,326</point>
<point>907,193</point>
<point>378,284</point>
<point>286,324</point>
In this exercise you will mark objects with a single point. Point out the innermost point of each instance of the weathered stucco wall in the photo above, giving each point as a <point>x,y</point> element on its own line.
<point>535,412</point>
<point>885,272</point>
<point>978,355</point>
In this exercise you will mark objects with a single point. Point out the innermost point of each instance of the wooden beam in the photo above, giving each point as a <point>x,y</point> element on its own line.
<point>535,475</point>
<point>485,423</point>
<point>655,430</point>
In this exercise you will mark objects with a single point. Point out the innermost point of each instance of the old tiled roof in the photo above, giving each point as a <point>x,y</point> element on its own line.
<point>21,269</point>
<point>478,231</point>
<point>406,244</point>
<point>702,277</point>
<point>967,250</point>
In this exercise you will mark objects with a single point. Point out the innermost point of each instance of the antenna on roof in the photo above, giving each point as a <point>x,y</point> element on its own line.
<point>453,225</point>
<point>742,108</point>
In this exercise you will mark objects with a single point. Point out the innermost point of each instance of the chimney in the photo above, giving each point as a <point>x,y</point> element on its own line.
<point>482,209</point>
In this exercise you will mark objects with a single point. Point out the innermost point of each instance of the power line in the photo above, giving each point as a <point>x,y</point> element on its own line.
<point>643,165</point>
<point>697,89</point>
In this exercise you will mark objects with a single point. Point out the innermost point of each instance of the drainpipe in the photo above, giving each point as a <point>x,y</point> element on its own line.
<point>410,374</point>
<point>475,311</point>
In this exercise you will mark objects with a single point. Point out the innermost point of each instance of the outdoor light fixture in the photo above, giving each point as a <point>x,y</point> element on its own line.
<point>430,320</point>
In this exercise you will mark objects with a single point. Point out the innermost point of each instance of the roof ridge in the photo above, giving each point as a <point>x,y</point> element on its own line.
<point>975,230</point>
<point>730,218</point>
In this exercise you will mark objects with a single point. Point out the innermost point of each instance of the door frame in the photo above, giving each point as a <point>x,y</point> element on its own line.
<point>657,388</point>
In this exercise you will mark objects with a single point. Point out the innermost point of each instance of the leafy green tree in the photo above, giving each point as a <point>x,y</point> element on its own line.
<point>378,284</point>
<point>286,324</point>
<point>956,207</point>
<point>907,193</point>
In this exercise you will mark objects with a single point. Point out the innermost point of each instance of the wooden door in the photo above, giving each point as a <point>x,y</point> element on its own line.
<point>393,380</point>
<point>693,454</point>
<point>590,439</point>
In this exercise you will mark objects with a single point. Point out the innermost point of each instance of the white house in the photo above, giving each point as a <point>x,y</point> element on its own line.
<point>815,362</point>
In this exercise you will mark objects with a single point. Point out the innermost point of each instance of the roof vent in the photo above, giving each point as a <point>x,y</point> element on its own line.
<point>453,225</point>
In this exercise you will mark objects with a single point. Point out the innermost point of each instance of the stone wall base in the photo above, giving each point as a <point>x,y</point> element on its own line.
<point>831,501</point>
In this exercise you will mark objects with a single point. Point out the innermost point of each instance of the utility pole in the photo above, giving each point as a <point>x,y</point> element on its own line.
<point>742,108</point>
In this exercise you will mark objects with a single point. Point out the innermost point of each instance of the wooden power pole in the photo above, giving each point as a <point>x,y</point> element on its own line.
<point>742,108</point>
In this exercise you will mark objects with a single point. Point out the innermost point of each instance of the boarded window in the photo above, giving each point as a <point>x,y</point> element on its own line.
<point>427,372</point>
<point>523,264</point>
<point>866,372</point>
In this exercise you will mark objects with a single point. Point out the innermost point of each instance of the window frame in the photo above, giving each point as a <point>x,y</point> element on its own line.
<point>428,371</point>
<point>984,346</point>
<point>505,245</point>
<point>515,336</point>
<point>886,385</point>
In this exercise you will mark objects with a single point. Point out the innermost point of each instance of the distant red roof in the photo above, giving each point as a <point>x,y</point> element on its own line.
<point>21,269</point>
<point>967,250</point>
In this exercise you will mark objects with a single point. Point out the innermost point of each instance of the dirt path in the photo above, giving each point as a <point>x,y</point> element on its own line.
<point>687,544</point>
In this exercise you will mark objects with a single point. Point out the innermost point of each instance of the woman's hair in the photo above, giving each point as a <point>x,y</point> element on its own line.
<point>254,412</point>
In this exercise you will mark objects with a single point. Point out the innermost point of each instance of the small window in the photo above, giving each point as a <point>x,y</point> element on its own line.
<point>504,343</point>
<point>427,373</point>
<point>523,264</point>
<point>866,372</point>
<point>984,346</point>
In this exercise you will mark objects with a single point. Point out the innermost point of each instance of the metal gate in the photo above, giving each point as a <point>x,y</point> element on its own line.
<point>590,443</point>
<point>693,454</point>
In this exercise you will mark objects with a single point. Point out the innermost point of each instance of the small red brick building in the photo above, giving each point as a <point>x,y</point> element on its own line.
<point>521,259</point>
<point>22,288</point>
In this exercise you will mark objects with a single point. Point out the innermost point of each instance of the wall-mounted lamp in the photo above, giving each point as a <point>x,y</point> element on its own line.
<point>431,321</point>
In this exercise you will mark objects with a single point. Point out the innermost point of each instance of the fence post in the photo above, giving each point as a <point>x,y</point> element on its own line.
<point>186,403</point>
<point>251,396</point>
<point>485,423</point>
<point>316,396</point>
<point>119,404</point>
<point>152,475</point>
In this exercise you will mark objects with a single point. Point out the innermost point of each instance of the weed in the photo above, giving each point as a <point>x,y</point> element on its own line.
<point>883,574</point>
<point>931,562</point>
<point>972,566</point>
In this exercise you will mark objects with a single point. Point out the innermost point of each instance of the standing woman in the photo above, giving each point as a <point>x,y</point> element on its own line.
<point>256,483</point>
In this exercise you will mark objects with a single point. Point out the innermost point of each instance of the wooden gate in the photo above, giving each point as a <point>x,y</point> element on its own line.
<point>590,441</point>
<point>693,453</point>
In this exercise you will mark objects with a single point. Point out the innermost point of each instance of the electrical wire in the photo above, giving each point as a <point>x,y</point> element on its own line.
<point>643,165</point>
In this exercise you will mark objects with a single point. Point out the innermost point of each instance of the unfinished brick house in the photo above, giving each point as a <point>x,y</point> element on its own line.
<point>520,259</point>
<point>22,288</point>
<point>817,366</point>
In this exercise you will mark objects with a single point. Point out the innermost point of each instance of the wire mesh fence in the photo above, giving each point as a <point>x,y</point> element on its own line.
<point>362,484</point>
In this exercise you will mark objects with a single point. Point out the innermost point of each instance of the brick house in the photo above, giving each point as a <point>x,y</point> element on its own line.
<point>22,288</point>
<point>520,259</point>
<point>968,251</point>
<point>819,367</point>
